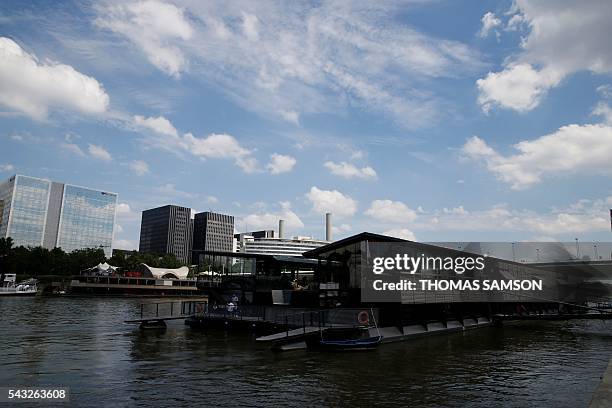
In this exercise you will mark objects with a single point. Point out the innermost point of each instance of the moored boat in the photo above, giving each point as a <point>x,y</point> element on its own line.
<point>363,344</point>
<point>25,288</point>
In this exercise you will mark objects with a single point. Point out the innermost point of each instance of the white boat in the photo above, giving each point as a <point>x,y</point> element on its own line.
<point>25,288</point>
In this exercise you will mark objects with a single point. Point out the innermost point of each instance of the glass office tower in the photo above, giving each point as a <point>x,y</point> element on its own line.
<point>24,209</point>
<point>36,212</point>
<point>87,219</point>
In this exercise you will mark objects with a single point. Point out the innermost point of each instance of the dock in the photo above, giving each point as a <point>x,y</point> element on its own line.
<point>154,315</point>
<point>603,395</point>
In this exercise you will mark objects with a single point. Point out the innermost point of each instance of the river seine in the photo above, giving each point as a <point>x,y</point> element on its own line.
<point>83,344</point>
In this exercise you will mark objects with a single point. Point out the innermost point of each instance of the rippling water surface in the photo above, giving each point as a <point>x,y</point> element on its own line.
<point>84,344</point>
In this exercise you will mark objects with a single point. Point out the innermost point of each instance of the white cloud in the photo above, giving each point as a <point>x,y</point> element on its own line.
<point>124,244</point>
<point>605,90</point>
<point>269,220</point>
<point>170,190</point>
<point>402,233</point>
<point>156,27</point>
<point>580,217</point>
<point>6,167</point>
<point>489,22</point>
<point>139,167</point>
<point>287,60</point>
<point>99,152</point>
<point>515,22</point>
<point>519,87</point>
<point>391,211</point>
<point>123,208</point>
<point>159,124</point>
<point>250,25</point>
<point>348,170</point>
<point>74,149</point>
<point>456,210</point>
<point>212,200</point>
<point>290,116</point>
<point>126,214</point>
<point>571,149</point>
<point>333,201</point>
<point>32,87</point>
<point>214,146</point>
<point>280,163</point>
<point>564,38</point>
<point>605,111</point>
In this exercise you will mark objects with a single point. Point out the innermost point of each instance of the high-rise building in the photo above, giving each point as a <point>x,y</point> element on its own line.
<point>212,232</point>
<point>38,212</point>
<point>167,230</point>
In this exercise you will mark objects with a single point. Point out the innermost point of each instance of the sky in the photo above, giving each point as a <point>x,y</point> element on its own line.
<point>427,120</point>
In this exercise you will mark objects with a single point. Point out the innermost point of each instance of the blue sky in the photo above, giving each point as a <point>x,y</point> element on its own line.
<point>433,120</point>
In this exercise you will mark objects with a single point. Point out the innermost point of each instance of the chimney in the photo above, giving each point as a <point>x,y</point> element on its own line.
<point>281,228</point>
<point>328,227</point>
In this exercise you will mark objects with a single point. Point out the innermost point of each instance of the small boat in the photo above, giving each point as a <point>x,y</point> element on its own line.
<point>25,288</point>
<point>364,344</point>
<point>153,325</point>
<point>356,338</point>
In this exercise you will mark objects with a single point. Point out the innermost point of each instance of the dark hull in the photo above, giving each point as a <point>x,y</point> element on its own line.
<point>366,344</point>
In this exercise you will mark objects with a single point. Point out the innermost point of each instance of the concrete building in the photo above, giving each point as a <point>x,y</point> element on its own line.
<point>212,232</point>
<point>167,230</point>
<point>39,212</point>
<point>264,242</point>
<point>295,246</point>
<point>255,234</point>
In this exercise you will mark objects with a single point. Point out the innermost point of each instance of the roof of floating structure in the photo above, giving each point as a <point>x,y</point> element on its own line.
<point>164,273</point>
<point>364,236</point>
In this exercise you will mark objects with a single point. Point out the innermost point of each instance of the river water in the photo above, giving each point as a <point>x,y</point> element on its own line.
<point>83,344</point>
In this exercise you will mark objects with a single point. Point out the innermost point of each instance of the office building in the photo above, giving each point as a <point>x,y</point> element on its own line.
<point>212,232</point>
<point>38,212</point>
<point>167,230</point>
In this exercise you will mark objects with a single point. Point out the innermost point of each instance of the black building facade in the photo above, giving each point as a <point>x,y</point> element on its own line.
<point>167,230</point>
<point>212,232</point>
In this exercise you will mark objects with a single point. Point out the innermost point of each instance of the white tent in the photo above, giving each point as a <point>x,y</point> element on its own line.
<point>102,269</point>
<point>163,273</point>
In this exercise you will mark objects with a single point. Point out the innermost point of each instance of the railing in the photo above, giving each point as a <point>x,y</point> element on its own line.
<point>294,317</point>
<point>171,310</point>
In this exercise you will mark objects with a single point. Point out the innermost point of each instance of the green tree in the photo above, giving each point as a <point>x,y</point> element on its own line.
<point>6,255</point>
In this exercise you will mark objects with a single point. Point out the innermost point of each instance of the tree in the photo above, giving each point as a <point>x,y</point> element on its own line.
<point>6,250</point>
